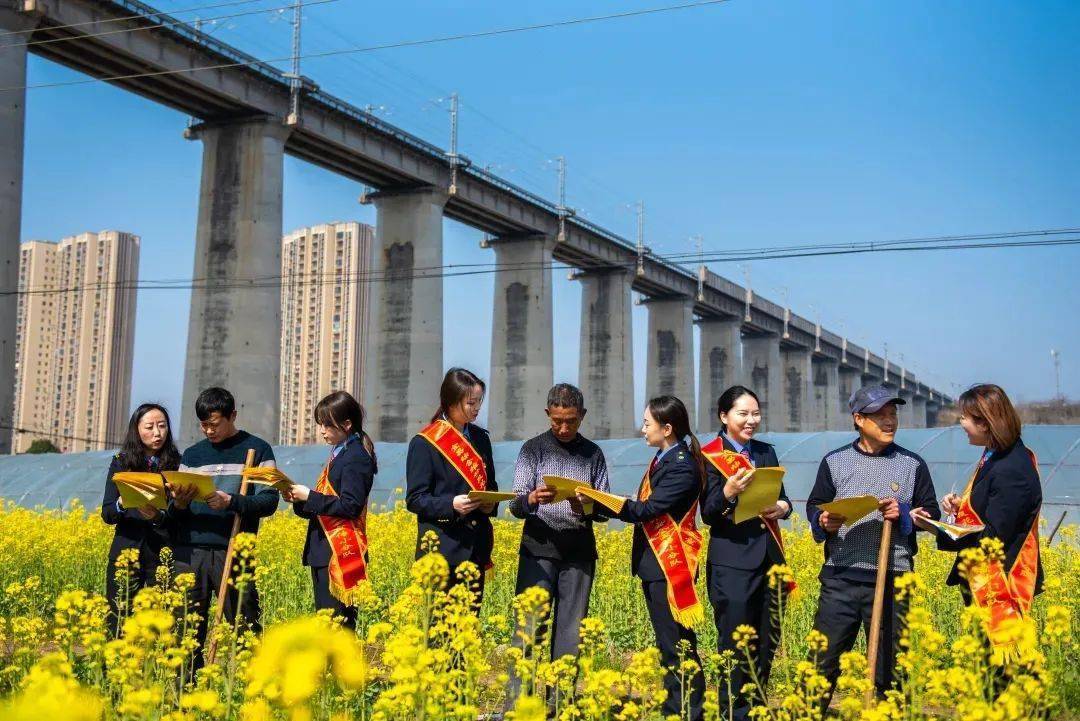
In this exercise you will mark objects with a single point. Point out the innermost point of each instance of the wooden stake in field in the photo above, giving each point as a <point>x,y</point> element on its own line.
<point>874,640</point>
<point>223,587</point>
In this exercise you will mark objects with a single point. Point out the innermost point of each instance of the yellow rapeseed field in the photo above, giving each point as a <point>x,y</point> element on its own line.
<point>419,654</point>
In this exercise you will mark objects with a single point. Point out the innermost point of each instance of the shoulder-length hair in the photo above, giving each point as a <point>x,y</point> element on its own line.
<point>133,454</point>
<point>988,404</point>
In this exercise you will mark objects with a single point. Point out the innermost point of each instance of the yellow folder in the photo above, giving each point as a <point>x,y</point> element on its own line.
<point>491,496</point>
<point>761,494</point>
<point>954,531</point>
<point>564,487</point>
<point>180,480</point>
<point>608,500</point>
<point>852,509</point>
<point>139,489</point>
<point>269,476</point>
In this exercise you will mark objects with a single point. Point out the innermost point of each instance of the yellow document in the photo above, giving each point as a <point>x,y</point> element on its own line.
<point>269,476</point>
<point>140,489</point>
<point>852,509</point>
<point>179,480</point>
<point>564,487</point>
<point>608,500</point>
<point>761,494</point>
<point>954,531</point>
<point>491,496</point>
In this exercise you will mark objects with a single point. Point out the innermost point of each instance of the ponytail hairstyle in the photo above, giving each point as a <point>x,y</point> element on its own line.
<point>340,406</point>
<point>456,386</point>
<point>669,410</point>
<point>133,454</point>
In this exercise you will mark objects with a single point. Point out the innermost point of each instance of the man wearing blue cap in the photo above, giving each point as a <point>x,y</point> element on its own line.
<point>873,465</point>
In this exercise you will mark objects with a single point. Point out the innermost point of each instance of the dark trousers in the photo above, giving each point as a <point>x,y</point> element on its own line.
<point>208,565</point>
<point>844,607</point>
<point>569,584</point>
<point>742,596</point>
<point>668,634</point>
<point>320,582</point>
<point>144,575</point>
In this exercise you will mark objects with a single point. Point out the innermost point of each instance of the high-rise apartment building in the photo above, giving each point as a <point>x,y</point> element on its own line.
<point>324,320</point>
<point>74,342</point>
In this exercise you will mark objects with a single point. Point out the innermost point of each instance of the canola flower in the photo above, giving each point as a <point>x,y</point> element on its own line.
<point>419,652</point>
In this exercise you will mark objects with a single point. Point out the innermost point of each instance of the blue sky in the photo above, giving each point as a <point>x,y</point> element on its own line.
<point>753,123</point>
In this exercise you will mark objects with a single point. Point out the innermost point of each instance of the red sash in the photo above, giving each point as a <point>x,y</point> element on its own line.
<point>729,463</point>
<point>677,547</point>
<point>456,449</point>
<point>1006,594</point>
<point>348,544</point>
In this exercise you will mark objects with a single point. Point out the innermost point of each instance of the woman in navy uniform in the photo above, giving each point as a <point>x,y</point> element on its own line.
<point>439,481</point>
<point>350,473</point>
<point>148,446</point>
<point>740,555</point>
<point>668,495</point>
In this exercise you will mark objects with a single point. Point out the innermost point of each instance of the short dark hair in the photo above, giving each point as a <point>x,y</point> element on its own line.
<point>214,400</point>
<point>727,399</point>
<point>564,395</point>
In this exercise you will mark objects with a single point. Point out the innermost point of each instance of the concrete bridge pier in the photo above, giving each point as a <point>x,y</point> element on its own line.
<point>825,392</point>
<point>932,409</point>
<point>918,411</point>
<point>670,363</point>
<point>906,413</point>
<point>521,339</point>
<point>12,128</point>
<point>719,367</point>
<point>404,366</point>
<point>796,396</point>
<point>606,360</point>
<point>234,332</point>
<point>762,373</point>
<point>850,380</point>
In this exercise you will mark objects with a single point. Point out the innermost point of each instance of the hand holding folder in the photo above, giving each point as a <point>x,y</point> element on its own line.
<point>852,509</point>
<point>761,495</point>
<point>181,481</point>
<point>141,489</point>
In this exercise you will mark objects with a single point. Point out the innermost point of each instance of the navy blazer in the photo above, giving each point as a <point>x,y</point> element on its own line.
<point>432,484</point>
<point>1007,495</point>
<point>351,474</point>
<point>676,484</point>
<point>132,530</point>
<point>745,545</point>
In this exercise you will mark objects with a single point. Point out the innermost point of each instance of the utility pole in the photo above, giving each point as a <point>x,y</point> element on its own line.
<point>702,270</point>
<point>787,311</point>
<point>1056,356</point>
<point>641,237</point>
<point>295,81</point>
<point>453,154</point>
<point>749,293</point>
<point>564,212</point>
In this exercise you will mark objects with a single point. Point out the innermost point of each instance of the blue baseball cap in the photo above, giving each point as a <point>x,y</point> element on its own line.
<point>872,399</point>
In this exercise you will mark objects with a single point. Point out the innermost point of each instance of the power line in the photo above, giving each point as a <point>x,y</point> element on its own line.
<point>471,269</point>
<point>386,46</point>
<point>164,26</point>
<point>48,435</point>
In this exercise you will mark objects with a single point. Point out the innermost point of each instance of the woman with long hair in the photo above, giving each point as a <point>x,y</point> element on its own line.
<point>666,546</point>
<point>148,447</point>
<point>447,459</point>
<point>1003,496</point>
<point>335,548</point>
<point>740,555</point>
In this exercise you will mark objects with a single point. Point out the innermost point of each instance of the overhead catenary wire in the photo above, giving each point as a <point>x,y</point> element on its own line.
<point>459,270</point>
<point>383,46</point>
